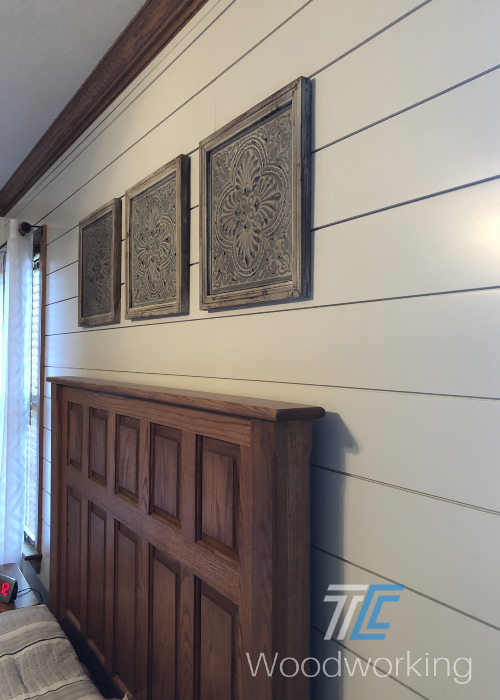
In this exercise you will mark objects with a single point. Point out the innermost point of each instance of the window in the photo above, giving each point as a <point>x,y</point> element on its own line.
<point>32,461</point>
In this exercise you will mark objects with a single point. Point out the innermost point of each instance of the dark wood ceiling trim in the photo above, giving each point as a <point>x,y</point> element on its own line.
<point>154,26</point>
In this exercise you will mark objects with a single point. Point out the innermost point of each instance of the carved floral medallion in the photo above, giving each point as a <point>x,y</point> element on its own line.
<point>99,266</point>
<point>96,267</point>
<point>153,245</point>
<point>157,236</point>
<point>251,206</point>
<point>255,204</point>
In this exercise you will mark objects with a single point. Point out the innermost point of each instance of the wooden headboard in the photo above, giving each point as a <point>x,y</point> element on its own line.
<point>180,537</point>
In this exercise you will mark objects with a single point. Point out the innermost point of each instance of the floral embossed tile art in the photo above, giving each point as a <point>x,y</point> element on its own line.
<point>255,204</point>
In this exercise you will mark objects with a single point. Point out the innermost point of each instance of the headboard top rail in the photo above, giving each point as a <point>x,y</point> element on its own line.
<point>262,409</point>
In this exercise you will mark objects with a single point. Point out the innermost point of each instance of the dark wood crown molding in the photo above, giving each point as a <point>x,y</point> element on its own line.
<point>153,27</point>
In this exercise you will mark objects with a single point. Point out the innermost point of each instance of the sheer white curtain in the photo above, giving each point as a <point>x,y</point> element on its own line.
<point>14,389</point>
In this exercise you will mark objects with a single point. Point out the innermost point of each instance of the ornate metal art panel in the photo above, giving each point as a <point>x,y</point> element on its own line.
<point>157,211</point>
<point>99,266</point>
<point>255,204</point>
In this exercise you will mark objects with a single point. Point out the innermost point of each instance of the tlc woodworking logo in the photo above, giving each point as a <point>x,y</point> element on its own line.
<point>357,610</point>
<point>366,624</point>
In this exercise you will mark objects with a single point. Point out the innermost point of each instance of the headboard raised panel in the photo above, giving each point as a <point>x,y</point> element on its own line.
<point>180,537</point>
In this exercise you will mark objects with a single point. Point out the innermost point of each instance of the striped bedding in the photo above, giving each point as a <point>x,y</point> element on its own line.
<point>37,661</point>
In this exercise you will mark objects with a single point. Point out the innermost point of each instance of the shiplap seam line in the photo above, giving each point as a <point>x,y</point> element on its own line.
<point>489,511</point>
<point>370,38</point>
<point>62,234</point>
<point>164,322</point>
<point>365,41</point>
<point>369,662</point>
<point>408,201</point>
<point>195,206</point>
<point>181,106</point>
<point>408,588</point>
<point>59,301</point>
<point>226,70</point>
<point>407,109</point>
<point>343,138</point>
<point>57,165</point>
<point>62,267</point>
<point>276,381</point>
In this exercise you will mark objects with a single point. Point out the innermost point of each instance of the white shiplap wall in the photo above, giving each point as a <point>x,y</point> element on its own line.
<point>401,339</point>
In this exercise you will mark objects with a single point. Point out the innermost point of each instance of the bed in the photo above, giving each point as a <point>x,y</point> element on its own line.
<point>180,537</point>
<point>37,661</point>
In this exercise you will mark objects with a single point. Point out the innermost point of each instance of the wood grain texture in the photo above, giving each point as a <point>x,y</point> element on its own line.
<point>219,478</point>
<point>165,471</point>
<point>163,631</point>
<point>193,553</point>
<point>96,571</point>
<point>98,421</point>
<point>154,26</point>
<point>73,555</point>
<point>75,444</point>
<point>125,607</point>
<point>233,405</point>
<point>216,644</point>
<point>128,457</point>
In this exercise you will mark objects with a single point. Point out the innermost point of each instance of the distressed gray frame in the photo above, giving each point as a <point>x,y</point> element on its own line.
<point>296,94</point>
<point>115,208</point>
<point>181,167</point>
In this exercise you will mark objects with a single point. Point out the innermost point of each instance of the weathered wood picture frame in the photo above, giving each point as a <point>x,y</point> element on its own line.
<point>157,242</point>
<point>99,266</point>
<point>255,204</point>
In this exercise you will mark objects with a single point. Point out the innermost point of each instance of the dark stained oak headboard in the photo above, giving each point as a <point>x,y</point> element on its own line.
<point>180,537</point>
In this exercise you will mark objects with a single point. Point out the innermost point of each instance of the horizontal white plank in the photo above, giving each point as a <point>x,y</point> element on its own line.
<point>62,284</point>
<point>417,625</point>
<point>195,179</point>
<point>163,61</point>
<point>194,256</point>
<point>62,251</point>
<point>46,506</point>
<point>237,31</point>
<point>47,436</point>
<point>433,445</point>
<point>47,476</point>
<point>389,254</point>
<point>437,47</point>
<point>439,549</point>
<point>192,71</point>
<point>324,31</point>
<point>47,409</point>
<point>444,447</point>
<point>442,344</point>
<point>444,143</point>
<point>349,687</point>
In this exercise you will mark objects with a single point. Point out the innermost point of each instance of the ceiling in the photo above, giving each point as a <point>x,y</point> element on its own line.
<point>47,49</point>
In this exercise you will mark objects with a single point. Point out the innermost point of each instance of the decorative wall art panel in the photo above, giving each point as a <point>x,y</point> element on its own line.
<point>99,266</point>
<point>255,204</point>
<point>157,235</point>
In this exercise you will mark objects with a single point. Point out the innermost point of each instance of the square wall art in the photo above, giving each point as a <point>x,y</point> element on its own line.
<point>157,242</point>
<point>99,266</point>
<point>255,204</point>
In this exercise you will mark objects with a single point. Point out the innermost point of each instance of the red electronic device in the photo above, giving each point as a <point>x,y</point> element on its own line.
<point>8,589</point>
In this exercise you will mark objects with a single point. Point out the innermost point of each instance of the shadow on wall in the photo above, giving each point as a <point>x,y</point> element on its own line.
<point>332,441</point>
